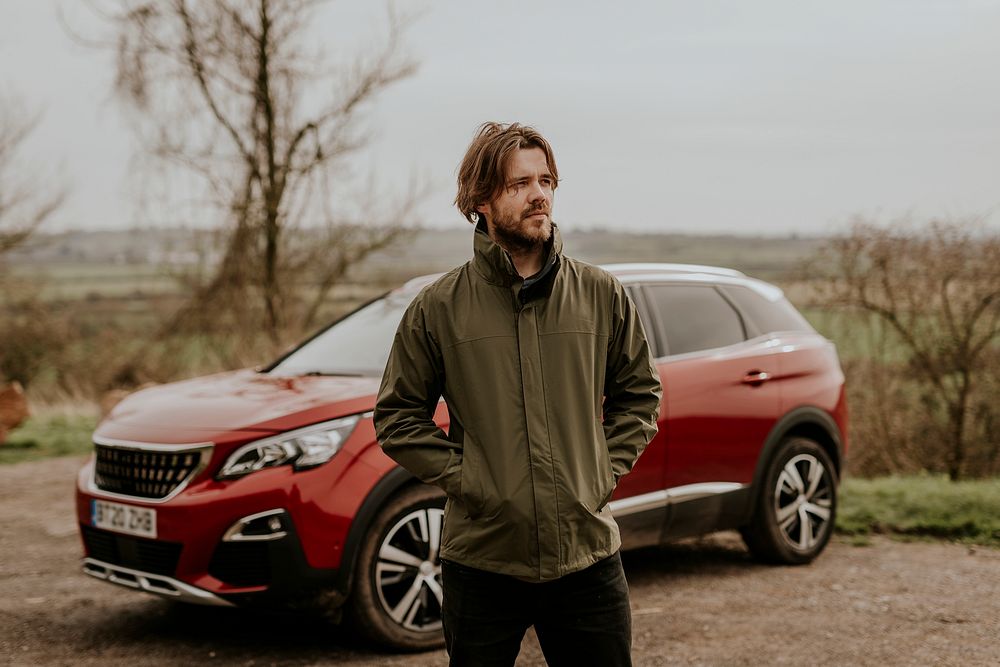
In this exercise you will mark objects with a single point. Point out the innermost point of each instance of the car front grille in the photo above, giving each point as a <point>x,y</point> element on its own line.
<point>148,472</point>
<point>241,563</point>
<point>153,556</point>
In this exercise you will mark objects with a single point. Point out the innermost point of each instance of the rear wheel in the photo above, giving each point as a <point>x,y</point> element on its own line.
<point>796,507</point>
<point>396,601</point>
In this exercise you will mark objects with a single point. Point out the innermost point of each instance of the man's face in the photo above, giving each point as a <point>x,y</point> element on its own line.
<point>519,217</point>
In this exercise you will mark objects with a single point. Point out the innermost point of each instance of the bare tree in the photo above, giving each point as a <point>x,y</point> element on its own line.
<point>28,331</point>
<point>937,289</point>
<point>226,89</point>
<point>25,200</point>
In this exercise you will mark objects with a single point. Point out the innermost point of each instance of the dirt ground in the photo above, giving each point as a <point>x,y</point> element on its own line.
<point>698,603</point>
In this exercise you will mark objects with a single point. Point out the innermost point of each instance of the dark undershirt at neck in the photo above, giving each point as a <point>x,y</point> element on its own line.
<point>536,278</point>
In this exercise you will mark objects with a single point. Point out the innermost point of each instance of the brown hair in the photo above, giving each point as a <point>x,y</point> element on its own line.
<point>484,168</point>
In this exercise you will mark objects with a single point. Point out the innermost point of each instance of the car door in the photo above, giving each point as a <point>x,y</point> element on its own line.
<point>808,370</point>
<point>718,402</point>
<point>639,502</point>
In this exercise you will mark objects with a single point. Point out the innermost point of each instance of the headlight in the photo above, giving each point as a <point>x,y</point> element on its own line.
<point>303,448</point>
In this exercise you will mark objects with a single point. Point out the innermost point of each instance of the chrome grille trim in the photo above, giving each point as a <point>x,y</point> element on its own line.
<point>202,449</point>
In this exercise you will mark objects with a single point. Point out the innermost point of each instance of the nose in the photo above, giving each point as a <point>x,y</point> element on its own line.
<point>538,193</point>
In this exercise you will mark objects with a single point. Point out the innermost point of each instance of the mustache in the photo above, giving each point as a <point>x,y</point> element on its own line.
<point>532,210</point>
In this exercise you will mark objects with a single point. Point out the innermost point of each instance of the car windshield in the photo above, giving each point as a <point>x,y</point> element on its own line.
<point>356,345</point>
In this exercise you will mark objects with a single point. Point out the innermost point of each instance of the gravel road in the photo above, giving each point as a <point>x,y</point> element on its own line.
<point>701,602</point>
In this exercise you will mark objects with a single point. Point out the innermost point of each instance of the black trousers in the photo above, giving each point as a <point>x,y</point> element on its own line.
<point>582,618</point>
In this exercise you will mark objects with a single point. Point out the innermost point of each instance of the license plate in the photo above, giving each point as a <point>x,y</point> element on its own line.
<point>123,518</point>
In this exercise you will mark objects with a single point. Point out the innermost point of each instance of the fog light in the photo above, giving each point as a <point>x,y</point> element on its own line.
<point>269,525</point>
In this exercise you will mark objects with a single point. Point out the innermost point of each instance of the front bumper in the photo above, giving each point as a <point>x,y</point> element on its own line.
<point>199,554</point>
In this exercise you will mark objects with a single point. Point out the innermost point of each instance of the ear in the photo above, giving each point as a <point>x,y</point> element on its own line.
<point>483,209</point>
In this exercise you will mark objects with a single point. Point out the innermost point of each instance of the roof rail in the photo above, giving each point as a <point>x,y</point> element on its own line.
<point>654,267</point>
<point>415,284</point>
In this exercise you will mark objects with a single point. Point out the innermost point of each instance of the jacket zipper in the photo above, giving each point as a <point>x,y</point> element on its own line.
<point>518,307</point>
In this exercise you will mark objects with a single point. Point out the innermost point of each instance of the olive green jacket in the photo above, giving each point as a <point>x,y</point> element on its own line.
<point>532,455</point>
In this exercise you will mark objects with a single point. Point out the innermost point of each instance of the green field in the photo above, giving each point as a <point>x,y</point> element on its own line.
<point>921,507</point>
<point>126,265</point>
<point>85,281</point>
<point>54,432</point>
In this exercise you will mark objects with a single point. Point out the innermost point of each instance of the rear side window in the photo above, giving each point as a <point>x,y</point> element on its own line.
<point>648,326</point>
<point>766,315</point>
<point>694,317</point>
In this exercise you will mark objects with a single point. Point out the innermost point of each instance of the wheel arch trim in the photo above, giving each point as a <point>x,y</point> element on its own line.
<point>807,421</point>
<point>385,488</point>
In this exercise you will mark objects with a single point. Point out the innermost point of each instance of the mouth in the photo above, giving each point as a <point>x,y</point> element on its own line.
<point>537,214</point>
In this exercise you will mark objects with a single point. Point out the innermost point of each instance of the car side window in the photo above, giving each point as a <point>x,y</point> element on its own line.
<point>694,317</point>
<point>767,316</point>
<point>646,317</point>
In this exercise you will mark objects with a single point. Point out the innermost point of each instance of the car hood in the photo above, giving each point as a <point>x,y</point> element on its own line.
<point>238,401</point>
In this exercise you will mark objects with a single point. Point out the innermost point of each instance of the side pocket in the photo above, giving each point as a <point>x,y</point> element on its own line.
<point>611,486</point>
<point>471,484</point>
<point>607,472</point>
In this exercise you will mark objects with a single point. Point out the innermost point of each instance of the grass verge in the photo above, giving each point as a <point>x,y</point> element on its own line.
<point>922,506</point>
<point>50,433</point>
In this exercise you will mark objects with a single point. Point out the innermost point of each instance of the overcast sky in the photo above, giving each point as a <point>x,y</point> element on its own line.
<point>763,117</point>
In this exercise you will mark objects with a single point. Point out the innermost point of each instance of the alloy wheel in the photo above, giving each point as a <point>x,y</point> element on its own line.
<point>408,570</point>
<point>803,498</point>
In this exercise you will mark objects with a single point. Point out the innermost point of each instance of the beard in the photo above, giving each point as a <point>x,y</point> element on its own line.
<point>516,234</point>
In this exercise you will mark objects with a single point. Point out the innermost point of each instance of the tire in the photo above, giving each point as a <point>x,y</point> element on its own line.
<point>396,599</point>
<point>796,505</point>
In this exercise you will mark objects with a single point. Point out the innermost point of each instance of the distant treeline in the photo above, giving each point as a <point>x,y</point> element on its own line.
<point>425,250</point>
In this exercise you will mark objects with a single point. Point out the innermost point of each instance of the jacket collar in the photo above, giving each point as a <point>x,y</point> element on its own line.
<point>494,263</point>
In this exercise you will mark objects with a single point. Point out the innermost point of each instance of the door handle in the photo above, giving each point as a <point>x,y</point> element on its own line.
<point>755,378</point>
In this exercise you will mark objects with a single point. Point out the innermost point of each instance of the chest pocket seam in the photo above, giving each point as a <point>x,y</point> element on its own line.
<point>476,338</point>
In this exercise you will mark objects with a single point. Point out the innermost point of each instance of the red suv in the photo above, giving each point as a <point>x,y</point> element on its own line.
<point>257,485</point>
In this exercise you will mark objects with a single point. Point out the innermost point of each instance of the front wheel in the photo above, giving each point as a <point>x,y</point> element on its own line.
<point>797,506</point>
<point>396,601</point>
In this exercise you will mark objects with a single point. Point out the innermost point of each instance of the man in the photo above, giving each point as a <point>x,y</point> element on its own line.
<point>552,396</point>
